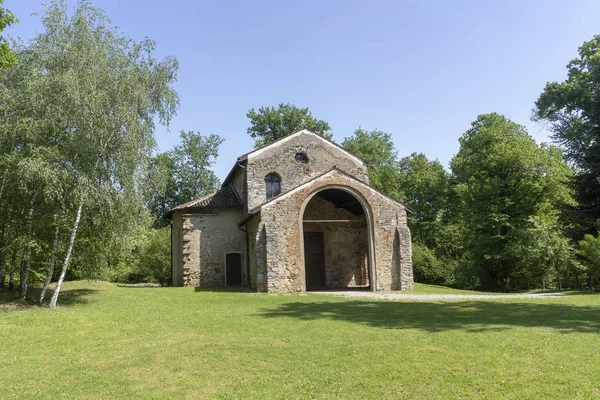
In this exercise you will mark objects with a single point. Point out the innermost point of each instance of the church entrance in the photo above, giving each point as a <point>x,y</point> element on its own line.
<point>335,234</point>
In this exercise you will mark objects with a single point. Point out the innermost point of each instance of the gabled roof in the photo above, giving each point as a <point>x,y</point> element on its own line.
<point>257,209</point>
<point>277,142</point>
<point>298,133</point>
<point>226,197</point>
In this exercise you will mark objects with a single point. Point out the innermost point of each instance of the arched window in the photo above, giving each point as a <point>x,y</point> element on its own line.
<point>273,185</point>
<point>301,158</point>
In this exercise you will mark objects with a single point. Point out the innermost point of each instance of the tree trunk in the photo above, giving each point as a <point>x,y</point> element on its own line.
<point>51,266</point>
<point>3,260</point>
<point>3,182</point>
<point>16,232</point>
<point>4,255</point>
<point>67,257</point>
<point>13,267</point>
<point>26,263</point>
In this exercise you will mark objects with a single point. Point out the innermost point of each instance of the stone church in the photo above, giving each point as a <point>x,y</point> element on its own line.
<point>293,216</point>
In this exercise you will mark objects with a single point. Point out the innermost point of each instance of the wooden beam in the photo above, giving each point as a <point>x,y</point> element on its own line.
<point>352,202</point>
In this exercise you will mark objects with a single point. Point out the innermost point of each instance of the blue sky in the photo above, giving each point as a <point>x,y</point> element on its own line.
<point>420,70</point>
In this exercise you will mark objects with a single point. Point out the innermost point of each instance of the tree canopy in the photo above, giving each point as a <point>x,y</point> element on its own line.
<point>507,186</point>
<point>182,174</point>
<point>7,57</point>
<point>80,107</point>
<point>378,150</point>
<point>271,123</point>
<point>571,110</point>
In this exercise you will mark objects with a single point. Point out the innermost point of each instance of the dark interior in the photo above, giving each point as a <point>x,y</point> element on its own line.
<point>342,199</point>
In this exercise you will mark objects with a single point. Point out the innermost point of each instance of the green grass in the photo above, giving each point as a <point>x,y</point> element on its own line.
<point>122,342</point>
<point>421,288</point>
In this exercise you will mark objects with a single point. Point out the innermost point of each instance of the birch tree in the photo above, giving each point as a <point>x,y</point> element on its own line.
<point>88,96</point>
<point>113,89</point>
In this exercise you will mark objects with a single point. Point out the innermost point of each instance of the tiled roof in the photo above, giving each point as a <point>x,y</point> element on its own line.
<point>226,197</point>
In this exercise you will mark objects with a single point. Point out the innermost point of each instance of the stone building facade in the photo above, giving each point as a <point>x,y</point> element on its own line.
<point>295,215</point>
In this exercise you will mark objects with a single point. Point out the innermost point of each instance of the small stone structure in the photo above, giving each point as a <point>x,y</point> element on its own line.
<point>295,215</point>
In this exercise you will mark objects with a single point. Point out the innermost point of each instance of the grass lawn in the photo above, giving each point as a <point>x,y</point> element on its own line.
<point>421,288</point>
<point>107,341</point>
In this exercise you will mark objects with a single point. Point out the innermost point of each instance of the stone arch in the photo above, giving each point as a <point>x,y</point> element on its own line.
<point>372,262</point>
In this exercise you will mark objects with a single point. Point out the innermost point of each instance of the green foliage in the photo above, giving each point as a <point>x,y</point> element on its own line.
<point>377,149</point>
<point>80,107</point>
<point>428,268</point>
<point>571,109</point>
<point>269,123</point>
<point>160,187</point>
<point>148,259</point>
<point>546,258</point>
<point>589,251</point>
<point>182,175</point>
<point>425,185</point>
<point>193,159</point>
<point>155,257</point>
<point>505,183</point>
<point>7,57</point>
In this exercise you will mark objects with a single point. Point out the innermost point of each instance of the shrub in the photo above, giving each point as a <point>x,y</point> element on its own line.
<point>154,260</point>
<point>589,250</point>
<point>428,268</point>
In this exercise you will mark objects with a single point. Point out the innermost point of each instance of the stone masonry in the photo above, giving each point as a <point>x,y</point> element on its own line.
<point>281,217</point>
<point>371,249</point>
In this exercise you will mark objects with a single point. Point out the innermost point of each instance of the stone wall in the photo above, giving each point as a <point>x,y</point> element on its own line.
<point>207,238</point>
<point>238,183</point>
<point>281,218</point>
<point>280,159</point>
<point>253,237</point>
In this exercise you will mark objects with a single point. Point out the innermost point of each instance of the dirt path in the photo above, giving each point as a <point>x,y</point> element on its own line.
<point>434,297</point>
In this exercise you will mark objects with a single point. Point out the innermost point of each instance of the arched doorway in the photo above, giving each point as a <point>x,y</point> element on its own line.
<point>337,240</point>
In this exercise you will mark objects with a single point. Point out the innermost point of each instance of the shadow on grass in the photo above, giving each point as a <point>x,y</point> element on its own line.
<point>139,285</point>
<point>9,299</point>
<point>470,316</point>
<point>225,289</point>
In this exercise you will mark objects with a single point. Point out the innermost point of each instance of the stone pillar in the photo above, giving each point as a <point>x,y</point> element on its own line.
<point>406,269</point>
<point>191,254</point>
<point>261,258</point>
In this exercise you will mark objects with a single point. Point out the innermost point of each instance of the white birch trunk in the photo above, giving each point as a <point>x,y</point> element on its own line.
<point>26,263</point>
<point>13,267</point>
<point>61,277</point>
<point>51,266</point>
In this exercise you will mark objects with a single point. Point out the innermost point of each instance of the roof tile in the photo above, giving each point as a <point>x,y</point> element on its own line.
<point>226,197</point>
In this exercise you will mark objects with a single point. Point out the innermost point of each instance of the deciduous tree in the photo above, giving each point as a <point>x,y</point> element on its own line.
<point>271,123</point>
<point>505,181</point>
<point>182,174</point>
<point>81,102</point>
<point>378,150</point>
<point>7,57</point>
<point>572,111</point>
